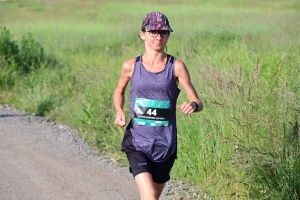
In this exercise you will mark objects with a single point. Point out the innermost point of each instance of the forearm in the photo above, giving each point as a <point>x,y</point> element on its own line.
<point>119,99</point>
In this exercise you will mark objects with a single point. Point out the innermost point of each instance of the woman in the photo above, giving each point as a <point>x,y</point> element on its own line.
<point>150,139</point>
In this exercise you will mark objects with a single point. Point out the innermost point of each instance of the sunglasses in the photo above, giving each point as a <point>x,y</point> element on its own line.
<point>163,34</point>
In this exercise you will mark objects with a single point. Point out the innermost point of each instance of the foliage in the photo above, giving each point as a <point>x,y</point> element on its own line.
<point>9,52</point>
<point>9,49</point>
<point>25,56</point>
<point>277,175</point>
<point>31,54</point>
<point>20,58</point>
<point>244,63</point>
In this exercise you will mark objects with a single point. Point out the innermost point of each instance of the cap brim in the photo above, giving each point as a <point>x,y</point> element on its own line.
<point>160,27</point>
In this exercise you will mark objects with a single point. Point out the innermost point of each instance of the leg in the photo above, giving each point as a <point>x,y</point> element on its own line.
<point>148,189</point>
<point>161,174</point>
<point>158,188</point>
<point>146,186</point>
<point>149,176</point>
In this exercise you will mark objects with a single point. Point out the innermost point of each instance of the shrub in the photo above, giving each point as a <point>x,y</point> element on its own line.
<point>17,59</point>
<point>9,49</point>
<point>31,54</point>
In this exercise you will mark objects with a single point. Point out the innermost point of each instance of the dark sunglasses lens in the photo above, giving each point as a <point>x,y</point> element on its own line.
<point>161,33</point>
<point>164,33</point>
<point>154,33</point>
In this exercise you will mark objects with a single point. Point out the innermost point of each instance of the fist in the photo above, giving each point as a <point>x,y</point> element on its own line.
<point>120,119</point>
<point>186,108</point>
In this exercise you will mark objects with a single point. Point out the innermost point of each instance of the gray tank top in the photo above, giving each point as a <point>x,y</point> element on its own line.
<point>153,98</point>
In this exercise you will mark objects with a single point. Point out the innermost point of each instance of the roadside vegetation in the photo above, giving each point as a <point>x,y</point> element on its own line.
<point>62,59</point>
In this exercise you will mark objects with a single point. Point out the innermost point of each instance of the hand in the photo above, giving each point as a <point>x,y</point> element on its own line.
<point>120,118</point>
<point>186,107</point>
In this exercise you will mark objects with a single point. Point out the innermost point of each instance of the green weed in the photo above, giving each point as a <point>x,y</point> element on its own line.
<point>244,63</point>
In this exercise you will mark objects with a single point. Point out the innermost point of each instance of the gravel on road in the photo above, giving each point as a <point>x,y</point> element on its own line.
<point>44,160</point>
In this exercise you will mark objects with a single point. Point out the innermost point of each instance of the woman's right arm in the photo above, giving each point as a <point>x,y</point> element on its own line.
<point>119,93</point>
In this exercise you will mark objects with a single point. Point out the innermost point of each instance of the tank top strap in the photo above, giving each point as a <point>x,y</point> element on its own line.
<point>170,59</point>
<point>138,61</point>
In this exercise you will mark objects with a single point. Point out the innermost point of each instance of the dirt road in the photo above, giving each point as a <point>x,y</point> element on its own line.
<point>41,160</point>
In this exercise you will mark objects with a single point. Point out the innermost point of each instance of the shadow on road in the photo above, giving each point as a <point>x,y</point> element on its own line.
<point>12,115</point>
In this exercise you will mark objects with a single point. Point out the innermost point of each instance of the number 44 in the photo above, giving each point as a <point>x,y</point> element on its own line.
<point>150,112</point>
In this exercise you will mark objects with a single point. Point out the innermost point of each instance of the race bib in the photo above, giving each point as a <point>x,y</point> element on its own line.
<point>149,112</point>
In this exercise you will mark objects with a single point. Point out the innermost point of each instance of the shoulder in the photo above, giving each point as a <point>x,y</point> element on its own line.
<point>178,62</point>
<point>180,67</point>
<point>128,66</point>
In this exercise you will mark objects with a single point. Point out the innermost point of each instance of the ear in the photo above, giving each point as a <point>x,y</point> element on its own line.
<point>142,35</point>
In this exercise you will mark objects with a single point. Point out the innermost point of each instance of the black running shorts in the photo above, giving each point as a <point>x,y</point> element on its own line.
<point>139,162</point>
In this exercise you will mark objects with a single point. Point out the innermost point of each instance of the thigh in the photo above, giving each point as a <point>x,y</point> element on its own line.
<point>148,189</point>
<point>145,185</point>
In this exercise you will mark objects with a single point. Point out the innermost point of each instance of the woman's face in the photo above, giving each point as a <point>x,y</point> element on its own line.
<point>155,39</point>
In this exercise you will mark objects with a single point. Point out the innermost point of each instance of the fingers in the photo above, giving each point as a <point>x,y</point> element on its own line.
<point>186,108</point>
<point>120,119</point>
<point>120,122</point>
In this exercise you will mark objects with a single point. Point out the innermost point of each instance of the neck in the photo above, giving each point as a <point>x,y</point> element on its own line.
<point>154,58</point>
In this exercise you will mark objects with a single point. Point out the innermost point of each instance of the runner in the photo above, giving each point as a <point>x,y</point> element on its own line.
<point>150,139</point>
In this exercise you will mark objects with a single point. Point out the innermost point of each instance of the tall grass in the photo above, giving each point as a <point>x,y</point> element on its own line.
<point>244,63</point>
<point>244,127</point>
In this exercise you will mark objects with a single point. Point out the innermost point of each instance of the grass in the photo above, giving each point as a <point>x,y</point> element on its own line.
<point>244,63</point>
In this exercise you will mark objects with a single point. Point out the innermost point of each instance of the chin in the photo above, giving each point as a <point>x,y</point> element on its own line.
<point>159,48</point>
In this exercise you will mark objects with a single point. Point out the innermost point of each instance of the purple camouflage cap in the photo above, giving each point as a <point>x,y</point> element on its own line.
<point>156,21</point>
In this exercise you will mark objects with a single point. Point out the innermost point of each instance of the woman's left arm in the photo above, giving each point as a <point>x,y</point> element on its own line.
<point>183,76</point>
